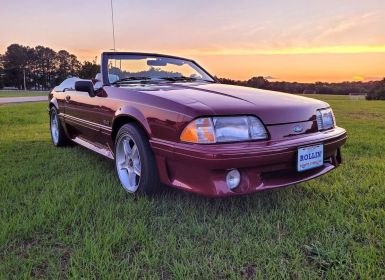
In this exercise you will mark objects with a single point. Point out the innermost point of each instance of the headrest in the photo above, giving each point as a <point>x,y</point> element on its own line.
<point>98,77</point>
<point>111,77</point>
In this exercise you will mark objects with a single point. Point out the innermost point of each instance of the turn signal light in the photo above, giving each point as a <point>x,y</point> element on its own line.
<point>199,131</point>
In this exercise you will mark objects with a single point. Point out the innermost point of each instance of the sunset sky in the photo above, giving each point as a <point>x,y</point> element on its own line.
<point>294,40</point>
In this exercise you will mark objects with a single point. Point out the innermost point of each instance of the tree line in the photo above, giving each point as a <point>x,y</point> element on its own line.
<point>41,68</point>
<point>372,89</point>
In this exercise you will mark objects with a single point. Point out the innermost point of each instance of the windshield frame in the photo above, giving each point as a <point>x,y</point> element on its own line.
<point>119,55</point>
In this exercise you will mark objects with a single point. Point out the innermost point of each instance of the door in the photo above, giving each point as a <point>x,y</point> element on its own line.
<point>82,115</point>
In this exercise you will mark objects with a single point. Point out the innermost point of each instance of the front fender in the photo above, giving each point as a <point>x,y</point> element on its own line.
<point>53,102</point>
<point>135,114</point>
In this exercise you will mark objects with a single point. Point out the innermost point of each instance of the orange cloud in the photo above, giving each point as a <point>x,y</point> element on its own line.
<point>297,50</point>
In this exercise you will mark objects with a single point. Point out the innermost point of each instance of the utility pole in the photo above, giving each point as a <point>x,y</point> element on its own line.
<point>25,88</point>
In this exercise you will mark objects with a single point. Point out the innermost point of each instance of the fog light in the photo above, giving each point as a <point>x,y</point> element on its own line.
<point>233,178</point>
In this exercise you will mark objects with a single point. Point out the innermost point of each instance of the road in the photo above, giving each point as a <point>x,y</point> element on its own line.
<point>4,100</point>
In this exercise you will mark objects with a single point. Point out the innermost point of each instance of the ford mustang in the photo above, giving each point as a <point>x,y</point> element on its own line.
<point>165,120</point>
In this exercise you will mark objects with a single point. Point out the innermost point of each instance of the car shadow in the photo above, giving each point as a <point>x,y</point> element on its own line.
<point>260,202</point>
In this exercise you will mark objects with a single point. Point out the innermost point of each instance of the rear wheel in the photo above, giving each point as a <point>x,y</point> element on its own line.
<point>57,132</point>
<point>134,161</point>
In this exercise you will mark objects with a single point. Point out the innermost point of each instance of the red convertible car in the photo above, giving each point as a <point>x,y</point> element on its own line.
<point>165,120</point>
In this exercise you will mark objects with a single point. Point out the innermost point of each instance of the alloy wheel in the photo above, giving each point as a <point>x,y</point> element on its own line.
<point>128,164</point>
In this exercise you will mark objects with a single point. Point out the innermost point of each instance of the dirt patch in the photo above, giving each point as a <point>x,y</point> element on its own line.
<point>249,271</point>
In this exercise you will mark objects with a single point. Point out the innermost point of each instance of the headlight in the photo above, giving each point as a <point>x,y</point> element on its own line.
<point>224,129</point>
<point>325,119</point>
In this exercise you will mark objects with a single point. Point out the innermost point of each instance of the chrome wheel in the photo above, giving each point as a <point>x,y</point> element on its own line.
<point>54,127</point>
<point>128,163</point>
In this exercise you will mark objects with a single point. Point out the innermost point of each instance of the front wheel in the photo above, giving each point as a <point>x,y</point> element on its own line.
<point>135,162</point>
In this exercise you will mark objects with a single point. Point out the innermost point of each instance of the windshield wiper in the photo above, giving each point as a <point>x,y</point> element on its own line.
<point>184,79</point>
<point>178,78</point>
<point>129,79</point>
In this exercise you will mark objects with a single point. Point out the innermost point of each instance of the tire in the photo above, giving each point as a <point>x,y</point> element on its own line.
<point>58,136</point>
<point>135,162</point>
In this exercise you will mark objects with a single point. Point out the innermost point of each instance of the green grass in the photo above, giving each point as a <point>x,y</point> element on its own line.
<point>22,93</point>
<point>63,214</point>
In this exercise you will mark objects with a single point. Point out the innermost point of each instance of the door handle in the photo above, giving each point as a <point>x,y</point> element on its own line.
<point>68,98</point>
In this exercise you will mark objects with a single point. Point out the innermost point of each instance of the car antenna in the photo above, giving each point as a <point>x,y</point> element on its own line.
<point>113,28</point>
<point>113,25</point>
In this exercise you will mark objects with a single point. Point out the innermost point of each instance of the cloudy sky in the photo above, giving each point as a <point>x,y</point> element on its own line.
<point>295,40</point>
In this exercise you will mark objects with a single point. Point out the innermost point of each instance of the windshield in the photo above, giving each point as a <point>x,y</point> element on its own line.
<point>134,68</point>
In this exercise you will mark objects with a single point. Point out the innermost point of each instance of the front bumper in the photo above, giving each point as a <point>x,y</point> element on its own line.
<point>263,165</point>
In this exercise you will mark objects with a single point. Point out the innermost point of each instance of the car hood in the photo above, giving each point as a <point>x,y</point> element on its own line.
<point>202,99</point>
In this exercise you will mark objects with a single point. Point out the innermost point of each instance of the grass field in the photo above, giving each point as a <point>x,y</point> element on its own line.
<point>22,93</point>
<point>64,215</point>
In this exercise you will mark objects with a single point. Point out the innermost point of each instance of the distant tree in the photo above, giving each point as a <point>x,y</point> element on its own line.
<point>32,69</point>
<point>230,81</point>
<point>15,61</point>
<point>88,70</point>
<point>258,82</point>
<point>378,91</point>
<point>67,65</point>
<point>47,66</point>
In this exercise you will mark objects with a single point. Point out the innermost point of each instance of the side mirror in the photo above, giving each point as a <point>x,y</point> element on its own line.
<point>86,86</point>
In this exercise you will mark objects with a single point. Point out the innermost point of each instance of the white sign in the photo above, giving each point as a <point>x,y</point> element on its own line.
<point>310,157</point>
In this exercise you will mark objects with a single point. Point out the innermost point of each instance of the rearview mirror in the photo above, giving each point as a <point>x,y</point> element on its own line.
<point>86,86</point>
<point>156,62</point>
